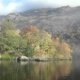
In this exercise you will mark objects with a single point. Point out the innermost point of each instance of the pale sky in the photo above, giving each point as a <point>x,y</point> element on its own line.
<point>9,6</point>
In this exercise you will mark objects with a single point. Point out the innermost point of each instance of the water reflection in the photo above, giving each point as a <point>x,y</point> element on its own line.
<point>35,70</point>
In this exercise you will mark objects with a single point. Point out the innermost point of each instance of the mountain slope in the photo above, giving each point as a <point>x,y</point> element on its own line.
<point>63,21</point>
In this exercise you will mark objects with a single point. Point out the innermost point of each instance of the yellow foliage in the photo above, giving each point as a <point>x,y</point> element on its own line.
<point>13,32</point>
<point>66,47</point>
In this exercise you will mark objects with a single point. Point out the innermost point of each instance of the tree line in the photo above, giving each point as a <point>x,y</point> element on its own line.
<point>30,41</point>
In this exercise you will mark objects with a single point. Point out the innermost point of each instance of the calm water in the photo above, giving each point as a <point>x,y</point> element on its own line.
<point>58,70</point>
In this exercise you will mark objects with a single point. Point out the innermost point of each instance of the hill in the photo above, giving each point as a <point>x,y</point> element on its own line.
<point>63,21</point>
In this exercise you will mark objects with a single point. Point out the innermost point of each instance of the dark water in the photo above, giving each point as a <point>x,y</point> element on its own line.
<point>58,70</point>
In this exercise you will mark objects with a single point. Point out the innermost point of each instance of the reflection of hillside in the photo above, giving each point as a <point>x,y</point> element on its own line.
<point>35,71</point>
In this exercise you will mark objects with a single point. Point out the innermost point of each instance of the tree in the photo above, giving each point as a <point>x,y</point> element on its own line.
<point>9,37</point>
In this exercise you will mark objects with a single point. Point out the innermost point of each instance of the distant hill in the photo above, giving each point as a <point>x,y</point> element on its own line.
<point>63,21</point>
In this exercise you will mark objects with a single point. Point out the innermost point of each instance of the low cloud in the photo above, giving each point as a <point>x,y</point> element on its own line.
<point>10,6</point>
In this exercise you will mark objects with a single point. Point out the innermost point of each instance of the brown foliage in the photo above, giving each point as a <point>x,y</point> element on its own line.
<point>31,29</point>
<point>62,46</point>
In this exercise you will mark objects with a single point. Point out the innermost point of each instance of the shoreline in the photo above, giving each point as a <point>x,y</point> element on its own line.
<point>36,60</point>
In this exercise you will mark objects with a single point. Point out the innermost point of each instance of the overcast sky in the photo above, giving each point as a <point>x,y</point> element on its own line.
<point>9,6</point>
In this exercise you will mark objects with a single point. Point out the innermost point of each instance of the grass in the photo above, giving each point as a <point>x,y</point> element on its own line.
<point>6,56</point>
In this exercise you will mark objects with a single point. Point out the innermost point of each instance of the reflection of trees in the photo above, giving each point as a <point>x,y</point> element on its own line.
<point>14,71</point>
<point>34,71</point>
<point>62,70</point>
<point>52,71</point>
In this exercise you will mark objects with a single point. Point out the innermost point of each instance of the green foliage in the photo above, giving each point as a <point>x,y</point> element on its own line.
<point>9,38</point>
<point>6,56</point>
<point>29,50</point>
<point>7,25</point>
